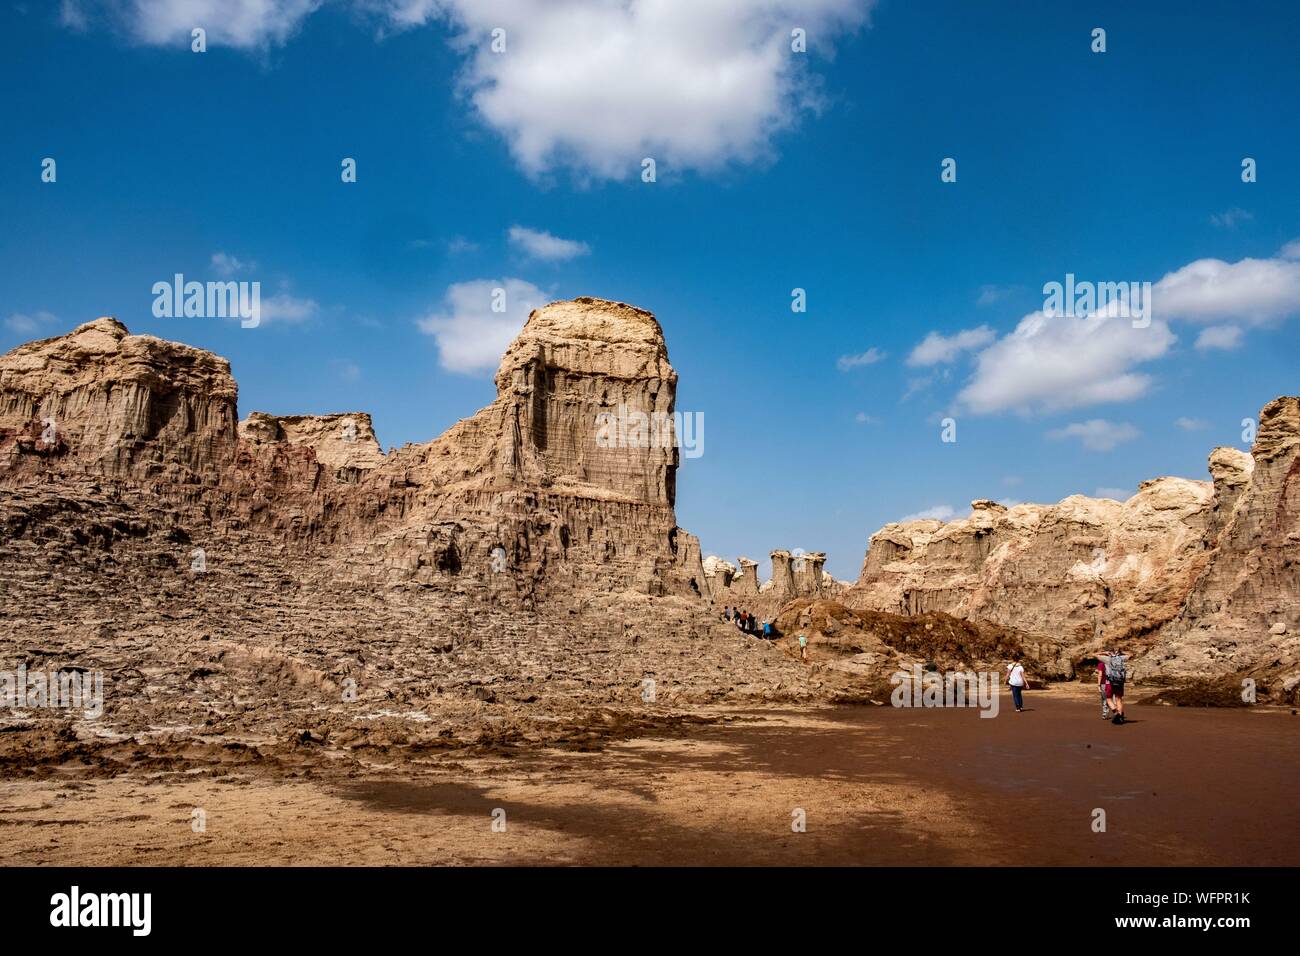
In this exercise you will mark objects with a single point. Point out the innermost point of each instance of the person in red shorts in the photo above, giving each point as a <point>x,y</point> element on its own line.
<point>1104,686</point>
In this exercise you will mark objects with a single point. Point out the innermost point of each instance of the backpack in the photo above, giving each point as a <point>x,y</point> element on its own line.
<point>1115,669</point>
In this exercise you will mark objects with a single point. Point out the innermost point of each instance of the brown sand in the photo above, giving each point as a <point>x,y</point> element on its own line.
<point>877,785</point>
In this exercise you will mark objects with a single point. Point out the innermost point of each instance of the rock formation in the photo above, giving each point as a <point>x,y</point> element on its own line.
<point>1242,612</point>
<point>1190,574</point>
<point>235,575</point>
<point>239,577</point>
<point>797,574</point>
<point>538,475</point>
<point>117,405</point>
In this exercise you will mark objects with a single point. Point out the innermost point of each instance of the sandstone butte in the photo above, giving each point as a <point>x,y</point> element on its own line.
<point>229,574</point>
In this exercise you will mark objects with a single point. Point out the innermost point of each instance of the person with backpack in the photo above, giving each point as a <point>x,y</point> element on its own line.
<point>1116,675</point>
<point>1104,686</point>
<point>803,647</point>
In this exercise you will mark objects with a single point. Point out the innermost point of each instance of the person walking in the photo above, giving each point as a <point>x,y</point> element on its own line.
<point>1018,682</point>
<point>803,647</point>
<point>1116,675</point>
<point>1104,686</point>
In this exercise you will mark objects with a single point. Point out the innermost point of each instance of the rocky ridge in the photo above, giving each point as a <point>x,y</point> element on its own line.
<point>1196,578</point>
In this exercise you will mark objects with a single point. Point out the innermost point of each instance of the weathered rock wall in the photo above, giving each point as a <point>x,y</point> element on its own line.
<point>532,497</point>
<point>1198,577</point>
<point>1242,612</point>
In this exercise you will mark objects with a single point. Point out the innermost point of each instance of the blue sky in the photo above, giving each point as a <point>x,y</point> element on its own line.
<point>776,170</point>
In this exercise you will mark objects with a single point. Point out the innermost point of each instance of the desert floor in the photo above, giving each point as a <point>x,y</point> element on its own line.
<point>876,786</point>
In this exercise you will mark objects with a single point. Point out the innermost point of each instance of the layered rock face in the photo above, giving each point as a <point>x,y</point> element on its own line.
<point>566,481</point>
<point>1182,561</point>
<point>1242,612</point>
<point>100,401</point>
<point>508,582</point>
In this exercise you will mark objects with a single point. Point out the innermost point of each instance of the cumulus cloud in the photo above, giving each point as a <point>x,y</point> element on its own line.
<point>285,308</point>
<point>472,337</point>
<point>936,348</point>
<point>871,356</point>
<point>242,24</point>
<point>1191,424</point>
<point>1056,363</point>
<point>1096,434</point>
<point>596,86</point>
<point>591,85</point>
<point>1252,291</point>
<point>542,245</point>
<point>937,513</point>
<point>1219,337</point>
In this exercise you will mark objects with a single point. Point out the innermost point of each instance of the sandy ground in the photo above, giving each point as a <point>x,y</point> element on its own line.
<point>874,785</point>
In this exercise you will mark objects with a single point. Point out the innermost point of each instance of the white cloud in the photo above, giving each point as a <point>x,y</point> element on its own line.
<point>1219,337</point>
<point>1230,218</point>
<point>225,264</point>
<point>543,245</point>
<point>595,85</point>
<point>847,363</point>
<point>592,85</point>
<point>243,24</point>
<point>283,307</point>
<point>1118,494</point>
<point>1253,291</point>
<point>471,337</point>
<point>862,418</point>
<point>990,294</point>
<point>1056,363</point>
<point>936,348</point>
<point>1096,434</point>
<point>29,323</point>
<point>1191,424</point>
<point>937,513</point>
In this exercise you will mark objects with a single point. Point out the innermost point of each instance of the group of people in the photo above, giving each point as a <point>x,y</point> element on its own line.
<point>1112,672</point>
<point>746,622</point>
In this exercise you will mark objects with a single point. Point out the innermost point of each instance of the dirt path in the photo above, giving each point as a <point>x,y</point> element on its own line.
<point>876,786</point>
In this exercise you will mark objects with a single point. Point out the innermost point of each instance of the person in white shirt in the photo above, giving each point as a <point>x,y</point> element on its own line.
<point>1018,682</point>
